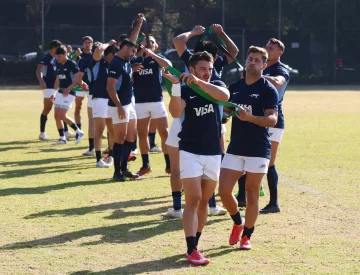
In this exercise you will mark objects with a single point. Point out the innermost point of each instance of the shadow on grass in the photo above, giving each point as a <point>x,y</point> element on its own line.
<point>45,189</point>
<point>19,142</point>
<point>121,233</point>
<point>168,263</point>
<point>60,148</point>
<point>40,161</point>
<point>117,206</point>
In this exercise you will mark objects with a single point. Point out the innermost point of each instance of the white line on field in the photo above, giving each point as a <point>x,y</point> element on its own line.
<point>301,187</point>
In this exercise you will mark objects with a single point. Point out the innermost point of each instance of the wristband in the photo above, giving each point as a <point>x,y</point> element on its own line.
<point>176,89</point>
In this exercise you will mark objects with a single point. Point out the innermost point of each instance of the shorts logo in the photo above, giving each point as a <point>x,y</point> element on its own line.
<point>262,166</point>
<point>204,110</point>
<point>270,134</point>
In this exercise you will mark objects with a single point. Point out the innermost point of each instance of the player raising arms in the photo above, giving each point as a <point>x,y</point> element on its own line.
<point>199,145</point>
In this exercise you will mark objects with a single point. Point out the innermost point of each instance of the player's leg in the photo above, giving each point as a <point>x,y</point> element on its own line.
<point>110,131</point>
<point>48,104</point>
<point>128,145</point>
<point>143,128</point>
<point>60,126</point>
<point>255,169</point>
<point>91,128</point>
<point>159,119</point>
<point>152,137</point>
<point>231,169</point>
<point>78,105</point>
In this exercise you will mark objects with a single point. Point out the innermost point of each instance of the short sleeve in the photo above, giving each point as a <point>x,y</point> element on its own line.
<point>184,92</point>
<point>219,83</point>
<point>45,60</point>
<point>74,68</point>
<point>283,72</point>
<point>185,57</point>
<point>114,70</point>
<point>271,97</point>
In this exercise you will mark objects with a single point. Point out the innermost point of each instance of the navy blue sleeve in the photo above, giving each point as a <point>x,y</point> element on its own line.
<point>271,98</point>
<point>84,65</point>
<point>74,67</point>
<point>219,83</point>
<point>185,57</point>
<point>185,92</point>
<point>136,60</point>
<point>45,60</point>
<point>114,70</point>
<point>283,72</point>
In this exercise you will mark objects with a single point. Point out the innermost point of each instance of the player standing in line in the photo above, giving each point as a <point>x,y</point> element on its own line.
<point>46,74</point>
<point>199,145</point>
<point>149,103</point>
<point>65,82</point>
<point>249,148</point>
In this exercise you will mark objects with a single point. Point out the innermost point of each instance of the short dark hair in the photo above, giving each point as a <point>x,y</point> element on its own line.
<point>55,44</point>
<point>278,43</point>
<point>122,37</point>
<point>87,38</point>
<point>207,46</point>
<point>61,50</point>
<point>262,51</point>
<point>200,56</point>
<point>111,49</point>
<point>127,42</point>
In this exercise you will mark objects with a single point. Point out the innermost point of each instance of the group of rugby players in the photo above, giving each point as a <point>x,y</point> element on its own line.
<point>122,80</point>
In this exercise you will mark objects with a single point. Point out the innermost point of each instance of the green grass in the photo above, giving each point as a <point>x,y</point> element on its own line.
<point>60,215</point>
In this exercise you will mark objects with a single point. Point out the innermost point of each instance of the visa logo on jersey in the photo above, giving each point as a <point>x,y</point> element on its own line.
<point>204,110</point>
<point>62,76</point>
<point>246,106</point>
<point>146,71</point>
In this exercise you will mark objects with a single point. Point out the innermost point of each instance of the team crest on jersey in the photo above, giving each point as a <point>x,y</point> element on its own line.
<point>62,76</point>
<point>254,96</point>
<point>204,110</point>
<point>146,72</point>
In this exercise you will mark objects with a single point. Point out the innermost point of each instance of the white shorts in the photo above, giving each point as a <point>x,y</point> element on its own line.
<point>115,117</point>
<point>90,101</point>
<point>64,102</point>
<point>248,164</point>
<point>223,129</point>
<point>81,93</point>
<point>192,166</point>
<point>173,139</point>
<point>100,108</point>
<point>132,109</point>
<point>150,109</point>
<point>49,93</point>
<point>276,134</point>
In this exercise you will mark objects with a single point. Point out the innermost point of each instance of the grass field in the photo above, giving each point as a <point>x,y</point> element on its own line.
<point>60,215</point>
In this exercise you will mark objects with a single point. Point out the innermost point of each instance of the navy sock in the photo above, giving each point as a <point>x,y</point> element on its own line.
<point>191,244</point>
<point>237,218</point>
<point>212,201</point>
<point>134,145</point>
<point>242,189</point>
<point>61,133</point>
<point>125,155</point>
<point>198,234</point>
<point>176,200</point>
<point>145,160</point>
<point>167,161</point>
<point>66,127</point>
<point>273,179</point>
<point>43,120</point>
<point>98,155</point>
<point>151,137</point>
<point>117,151</point>
<point>74,126</point>
<point>248,231</point>
<point>91,144</point>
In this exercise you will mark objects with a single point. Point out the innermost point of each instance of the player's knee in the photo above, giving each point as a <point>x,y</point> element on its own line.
<point>193,201</point>
<point>252,195</point>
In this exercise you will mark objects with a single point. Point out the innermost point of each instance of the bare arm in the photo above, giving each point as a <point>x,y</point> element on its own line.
<point>163,62</point>
<point>79,76</point>
<point>99,50</point>
<point>110,87</point>
<point>181,40</point>
<point>135,32</point>
<point>268,120</point>
<point>217,92</point>
<point>230,45</point>
<point>177,104</point>
<point>277,81</point>
<point>75,82</point>
<point>39,70</point>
